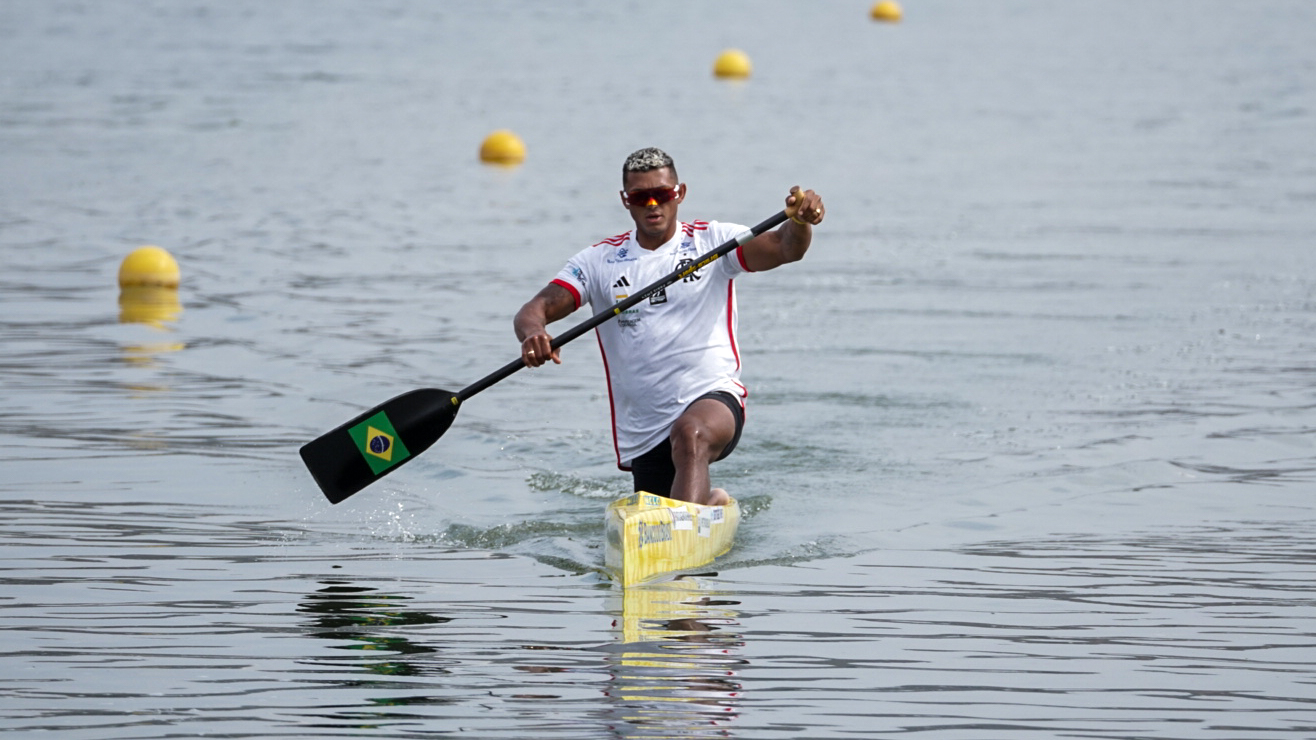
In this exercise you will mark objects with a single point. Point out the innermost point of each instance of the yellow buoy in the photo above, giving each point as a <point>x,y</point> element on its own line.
<point>733,63</point>
<point>502,147</point>
<point>887,10</point>
<point>149,265</point>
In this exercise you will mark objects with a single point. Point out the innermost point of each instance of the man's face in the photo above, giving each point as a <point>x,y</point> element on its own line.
<point>655,220</point>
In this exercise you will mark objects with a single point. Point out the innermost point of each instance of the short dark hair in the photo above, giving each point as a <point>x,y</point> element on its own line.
<point>646,159</point>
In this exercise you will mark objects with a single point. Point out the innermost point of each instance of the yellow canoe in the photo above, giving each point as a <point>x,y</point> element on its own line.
<point>650,536</point>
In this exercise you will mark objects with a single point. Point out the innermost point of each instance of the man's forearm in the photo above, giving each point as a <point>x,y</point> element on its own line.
<point>531,319</point>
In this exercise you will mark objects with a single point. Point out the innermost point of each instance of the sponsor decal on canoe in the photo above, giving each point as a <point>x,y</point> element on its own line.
<point>651,500</point>
<point>681,519</point>
<point>652,534</point>
<point>379,443</point>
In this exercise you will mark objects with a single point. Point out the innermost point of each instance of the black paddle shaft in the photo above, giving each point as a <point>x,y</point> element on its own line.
<point>576,331</point>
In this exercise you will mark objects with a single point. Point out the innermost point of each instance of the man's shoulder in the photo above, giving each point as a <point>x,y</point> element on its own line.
<point>613,241</point>
<point>599,256</point>
<point>717,231</point>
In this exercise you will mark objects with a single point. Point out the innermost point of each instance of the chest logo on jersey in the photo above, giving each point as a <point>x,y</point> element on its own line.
<point>684,263</point>
<point>629,318</point>
<point>623,254</point>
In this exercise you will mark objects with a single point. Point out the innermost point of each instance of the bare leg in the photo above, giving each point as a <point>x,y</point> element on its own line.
<point>698,437</point>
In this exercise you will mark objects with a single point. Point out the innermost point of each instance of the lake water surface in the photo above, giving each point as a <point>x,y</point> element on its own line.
<point>1031,440</point>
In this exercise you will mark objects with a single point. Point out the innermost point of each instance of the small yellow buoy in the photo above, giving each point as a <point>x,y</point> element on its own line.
<point>502,147</point>
<point>887,10</point>
<point>149,266</point>
<point>732,63</point>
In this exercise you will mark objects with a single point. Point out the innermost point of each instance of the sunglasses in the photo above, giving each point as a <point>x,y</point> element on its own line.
<point>650,196</point>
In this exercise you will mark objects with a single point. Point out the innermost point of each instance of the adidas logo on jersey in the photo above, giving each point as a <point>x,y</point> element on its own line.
<point>622,283</point>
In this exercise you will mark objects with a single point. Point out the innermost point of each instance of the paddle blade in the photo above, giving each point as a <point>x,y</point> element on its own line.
<point>379,441</point>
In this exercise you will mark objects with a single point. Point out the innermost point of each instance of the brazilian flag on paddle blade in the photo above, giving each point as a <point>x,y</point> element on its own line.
<point>379,443</point>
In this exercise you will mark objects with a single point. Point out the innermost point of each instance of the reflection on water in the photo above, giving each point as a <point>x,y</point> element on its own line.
<point>156,307</point>
<point>136,620</point>
<point>677,672</point>
<point>362,617</point>
<point>149,304</point>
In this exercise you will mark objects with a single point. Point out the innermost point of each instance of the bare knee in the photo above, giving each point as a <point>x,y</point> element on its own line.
<point>693,440</point>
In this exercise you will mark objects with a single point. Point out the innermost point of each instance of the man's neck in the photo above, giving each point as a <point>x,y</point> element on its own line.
<point>652,243</point>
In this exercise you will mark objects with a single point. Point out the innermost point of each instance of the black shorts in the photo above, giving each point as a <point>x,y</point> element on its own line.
<point>654,471</point>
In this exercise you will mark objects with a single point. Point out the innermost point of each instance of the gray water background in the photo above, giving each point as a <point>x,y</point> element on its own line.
<point>1030,439</point>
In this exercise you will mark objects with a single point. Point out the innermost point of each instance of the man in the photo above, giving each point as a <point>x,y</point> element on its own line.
<point>672,363</point>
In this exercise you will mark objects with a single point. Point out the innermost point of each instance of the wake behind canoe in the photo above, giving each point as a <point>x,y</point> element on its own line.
<point>649,536</point>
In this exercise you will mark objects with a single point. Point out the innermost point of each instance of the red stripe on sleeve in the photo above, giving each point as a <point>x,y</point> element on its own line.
<point>740,256</point>
<point>570,289</point>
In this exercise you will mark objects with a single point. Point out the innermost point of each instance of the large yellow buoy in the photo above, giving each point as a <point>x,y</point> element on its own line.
<point>502,147</point>
<point>149,265</point>
<point>887,10</point>
<point>733,63</point>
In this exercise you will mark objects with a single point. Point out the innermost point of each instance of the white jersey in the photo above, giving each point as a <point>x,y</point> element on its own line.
<point>662,354</point>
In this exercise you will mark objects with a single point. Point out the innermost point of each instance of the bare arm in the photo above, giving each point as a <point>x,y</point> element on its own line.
<point>791,240</point>
<point>551,304</point>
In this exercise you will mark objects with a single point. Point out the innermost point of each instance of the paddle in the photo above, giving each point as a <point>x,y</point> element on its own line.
<point>382,439</point>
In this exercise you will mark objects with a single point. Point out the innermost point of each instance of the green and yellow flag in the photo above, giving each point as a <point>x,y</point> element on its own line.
<point>379,443</point>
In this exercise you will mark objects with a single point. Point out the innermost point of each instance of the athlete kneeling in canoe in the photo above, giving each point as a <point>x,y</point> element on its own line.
<point>672,363</point>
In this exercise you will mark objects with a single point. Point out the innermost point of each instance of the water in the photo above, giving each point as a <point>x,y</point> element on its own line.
<point>1030,438</point>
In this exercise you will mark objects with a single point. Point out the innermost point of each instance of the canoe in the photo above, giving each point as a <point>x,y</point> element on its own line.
<point>650,536</point>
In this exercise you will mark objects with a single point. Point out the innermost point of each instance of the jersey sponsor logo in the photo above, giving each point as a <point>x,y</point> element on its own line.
<point>630,318</point>
<point>578,273</point>
<point>652,534</point>
<point>694,274</point>
<point>622,282</point>
<point>622,254</point>
<point>379,443</point>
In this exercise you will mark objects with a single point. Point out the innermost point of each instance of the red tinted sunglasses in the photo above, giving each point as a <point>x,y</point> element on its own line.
<point>641,198</point>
